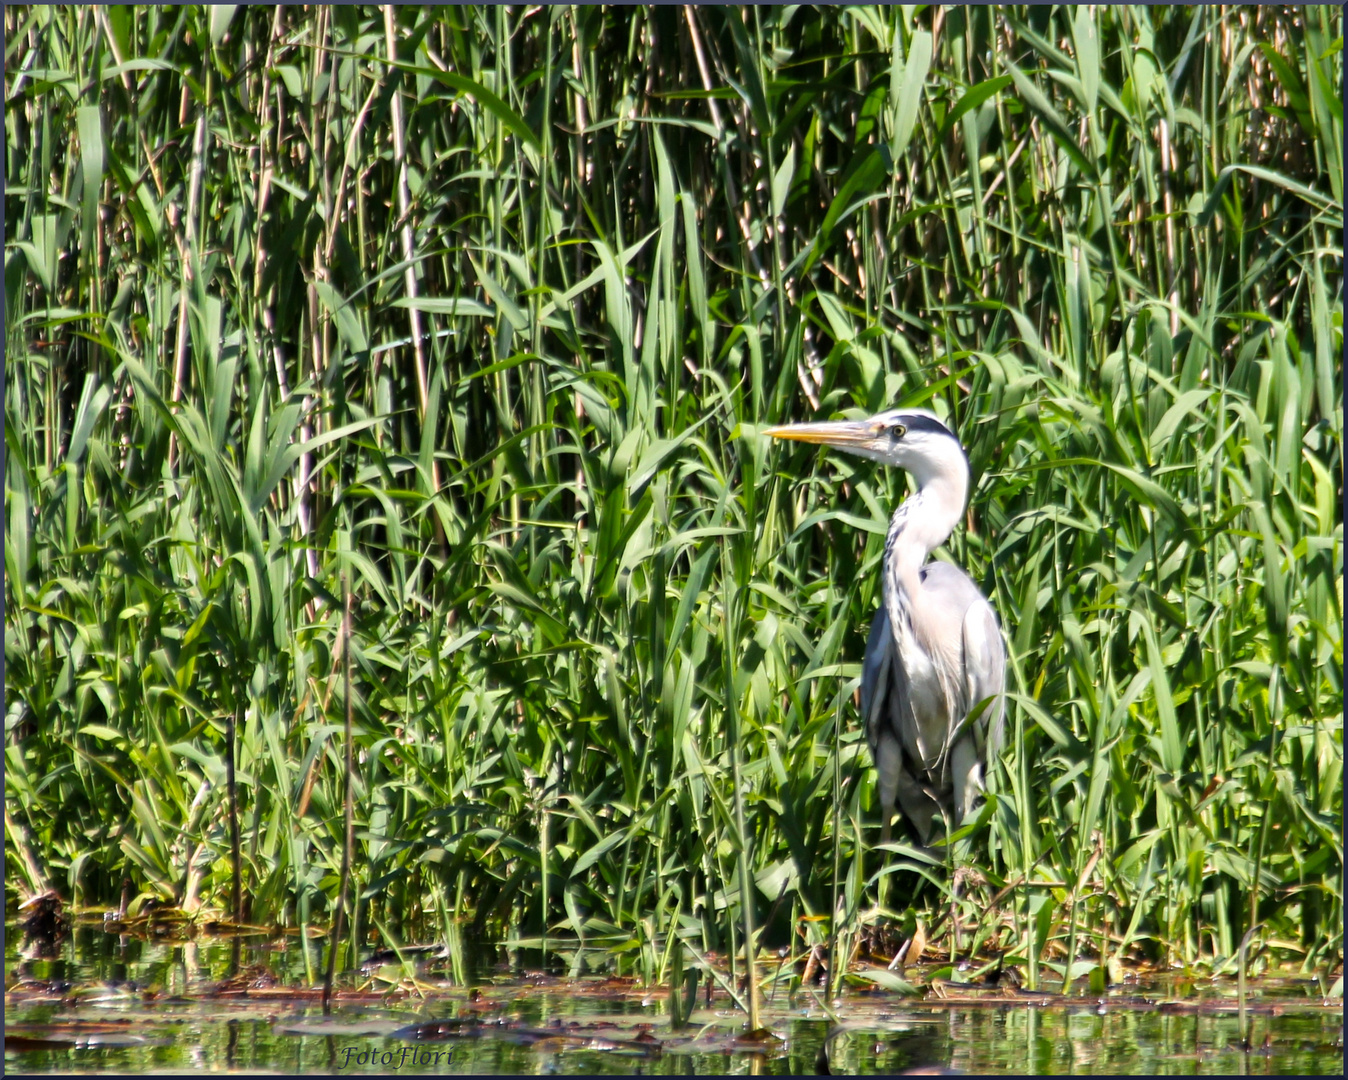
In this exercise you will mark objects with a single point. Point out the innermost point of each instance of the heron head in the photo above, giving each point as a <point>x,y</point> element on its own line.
<point>915,440</point>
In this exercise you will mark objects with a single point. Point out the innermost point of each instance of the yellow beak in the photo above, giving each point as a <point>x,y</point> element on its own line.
<point>845,434</point>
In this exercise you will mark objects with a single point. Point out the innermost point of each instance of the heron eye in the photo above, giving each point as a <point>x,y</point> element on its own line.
<point>898,431</point>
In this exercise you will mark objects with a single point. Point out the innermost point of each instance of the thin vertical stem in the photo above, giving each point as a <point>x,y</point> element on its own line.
<point>742,833</point>
<point>405,215</point>
<point>349,835</point>
<point>236,870</point>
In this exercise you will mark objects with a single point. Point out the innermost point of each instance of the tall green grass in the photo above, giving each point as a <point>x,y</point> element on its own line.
<point>484,308</point>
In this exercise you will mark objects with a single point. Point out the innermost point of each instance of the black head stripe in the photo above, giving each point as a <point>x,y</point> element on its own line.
<point>918,422</point>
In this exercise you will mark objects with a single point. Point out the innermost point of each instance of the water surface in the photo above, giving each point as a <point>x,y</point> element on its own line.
<point>102,1002</point>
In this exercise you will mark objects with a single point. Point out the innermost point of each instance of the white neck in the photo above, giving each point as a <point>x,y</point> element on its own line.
<point>922,523</point>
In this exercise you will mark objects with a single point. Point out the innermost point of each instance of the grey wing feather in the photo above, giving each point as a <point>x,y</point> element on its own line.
<point>876,675</point>
<point>985,673</point>
<point>979,645</point>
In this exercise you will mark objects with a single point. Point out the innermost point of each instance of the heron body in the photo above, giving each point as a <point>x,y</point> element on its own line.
<point>933,678</point>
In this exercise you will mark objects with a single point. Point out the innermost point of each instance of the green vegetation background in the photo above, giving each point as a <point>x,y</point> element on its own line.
<point>482,310</point>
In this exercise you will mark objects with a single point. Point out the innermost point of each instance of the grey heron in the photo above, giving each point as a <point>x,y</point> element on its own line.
<point>933,679</point>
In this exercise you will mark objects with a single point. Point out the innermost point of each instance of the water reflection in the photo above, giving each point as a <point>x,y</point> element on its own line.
<point>118,1003</point>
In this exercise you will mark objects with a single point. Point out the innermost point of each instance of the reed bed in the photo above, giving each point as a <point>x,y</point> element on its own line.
<point>483,309</point>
